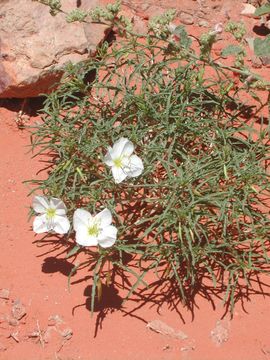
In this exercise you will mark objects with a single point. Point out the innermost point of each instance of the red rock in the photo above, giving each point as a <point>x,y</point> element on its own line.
<point>35,45</point>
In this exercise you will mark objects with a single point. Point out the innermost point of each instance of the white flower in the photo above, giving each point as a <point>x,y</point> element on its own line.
<point>123,163</point>
<point>94,230</point>
<point>52,215</point>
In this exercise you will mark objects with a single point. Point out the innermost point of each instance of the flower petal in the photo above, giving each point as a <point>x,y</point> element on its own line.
<point>40,224</point>
<point>118,174</point>
<point>61,224</point>
<point>135,166</point>
<point>118,147</point>
<point>108,158</point>
<point>104,218</point>
<point>84,239</point>
<point>40,204</point>
<point>58,205</point>
<point>128,149</point>
<point>107,237</point>
<point>81,219</point>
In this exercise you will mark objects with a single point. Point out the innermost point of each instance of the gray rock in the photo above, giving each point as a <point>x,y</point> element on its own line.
<point>186,18</point>
<point>34,46</point>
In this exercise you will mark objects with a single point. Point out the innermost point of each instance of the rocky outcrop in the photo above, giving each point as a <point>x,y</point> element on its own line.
<point>34,45</point>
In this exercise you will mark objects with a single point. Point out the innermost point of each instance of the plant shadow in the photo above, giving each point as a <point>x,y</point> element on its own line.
<point>109,302</point>
<point>52,265</point>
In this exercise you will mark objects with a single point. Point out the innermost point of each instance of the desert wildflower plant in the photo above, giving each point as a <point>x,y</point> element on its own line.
<point>155,159</point>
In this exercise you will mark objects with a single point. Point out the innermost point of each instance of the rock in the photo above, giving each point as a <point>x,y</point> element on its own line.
<point>139,25</point>
<point>67,333</point>
<point>18,310</point>
<point>265,60</point>
<point>15,336</point>
<point>186,18</point>
<point>162,328</point>
<point>249,11</point>
<point>13,322</point>
<point>4,294</point>
<point>34,46</point>
<point>203,23</point>
<point>256,62</point>
<point>55,320</point>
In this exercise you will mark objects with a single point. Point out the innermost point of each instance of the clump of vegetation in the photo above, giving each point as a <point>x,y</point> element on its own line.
<point>195,208</point>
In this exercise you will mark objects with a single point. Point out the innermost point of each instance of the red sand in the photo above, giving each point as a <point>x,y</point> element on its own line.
<point>33,276</point>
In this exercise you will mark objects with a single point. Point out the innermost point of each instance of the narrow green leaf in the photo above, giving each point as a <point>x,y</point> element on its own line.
<point>73,251</point>
<point>262,47</point>
<point>232,50</point>
<point>262,10</point>
<point>184,39</point>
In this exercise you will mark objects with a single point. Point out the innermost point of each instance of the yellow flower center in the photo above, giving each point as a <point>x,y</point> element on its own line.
<point>118,162</point>
<point>50,213</point>
<point>93,230</point>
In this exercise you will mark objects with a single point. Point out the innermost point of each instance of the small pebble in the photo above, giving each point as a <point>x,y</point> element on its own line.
<point>13,322</point>
<point>186,18</point>
<point>4,294</point>
<point>67,333</point>
<point>203,23</point>
<point>54,320</point>
<point>18,310</point>
<point>256,62</point>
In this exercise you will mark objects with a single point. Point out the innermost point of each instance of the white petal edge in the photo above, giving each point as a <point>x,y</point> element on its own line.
<point>61,224</point>
<point>118,147</point>
<point>108,158</point>
<point>128,149</point>
<point>83,238</point>
<point>135,166</point>
<point>118,174</point>
<point>104,217</point>
<point>59,205</point>
<point>107,238</point>
<point>81,218</point>
<point>40,224</point>
<point>40,204</point>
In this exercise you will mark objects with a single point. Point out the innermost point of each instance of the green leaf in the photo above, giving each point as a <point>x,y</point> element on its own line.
<point>72,272</point>
<point>73,251</point>
<point>231,50</point>
<point>184,39</point>
<point>262,10</point>
<point>262,47</point>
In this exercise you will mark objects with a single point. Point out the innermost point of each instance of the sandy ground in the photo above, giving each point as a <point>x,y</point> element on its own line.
<point>40,319</point>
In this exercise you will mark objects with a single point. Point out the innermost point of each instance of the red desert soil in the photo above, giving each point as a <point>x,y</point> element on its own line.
<point>40,319</point>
